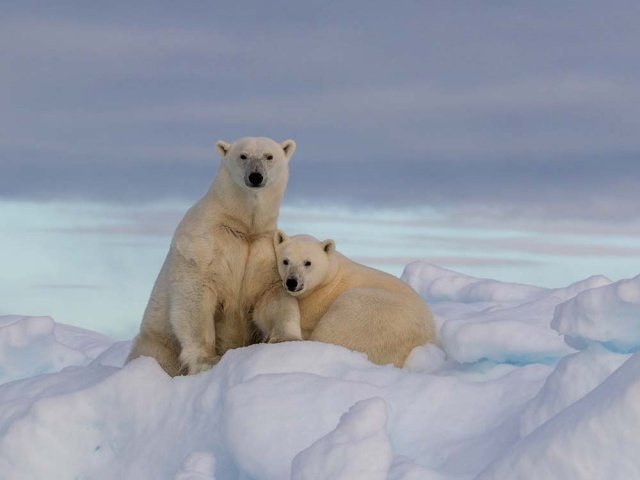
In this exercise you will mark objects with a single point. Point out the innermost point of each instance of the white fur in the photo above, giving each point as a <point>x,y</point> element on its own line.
<point>348,304</point>
<point>220,270</point>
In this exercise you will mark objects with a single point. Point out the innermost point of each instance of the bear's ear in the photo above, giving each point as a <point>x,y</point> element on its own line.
<point>280,237</point>
<point>329,246</point>
<point>289,146</point>
<point>222,147</point>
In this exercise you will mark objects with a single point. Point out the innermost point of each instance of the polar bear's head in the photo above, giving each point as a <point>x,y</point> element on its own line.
<point>304,262</point>
<point>257,162</point>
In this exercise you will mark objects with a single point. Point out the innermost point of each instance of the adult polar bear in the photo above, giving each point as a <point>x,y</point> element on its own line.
<point>348,304</point>
<point>220,270</point>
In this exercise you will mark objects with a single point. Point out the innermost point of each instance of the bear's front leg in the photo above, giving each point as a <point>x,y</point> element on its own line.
<point>193,305</point>
<point>277,315</point>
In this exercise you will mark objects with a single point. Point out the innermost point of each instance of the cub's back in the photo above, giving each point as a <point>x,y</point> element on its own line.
<point>356,275</point>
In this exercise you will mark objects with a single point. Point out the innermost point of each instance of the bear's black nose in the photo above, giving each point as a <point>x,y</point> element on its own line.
<point>292,283</point>
<point>255,178</point>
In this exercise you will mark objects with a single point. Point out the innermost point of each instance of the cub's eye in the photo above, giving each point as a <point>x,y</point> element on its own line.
<point>285,262</point>
<point>243,156</point>
<point>307,263</point>
<point>269,157</point>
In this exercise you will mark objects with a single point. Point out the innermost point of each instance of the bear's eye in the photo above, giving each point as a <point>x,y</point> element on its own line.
<point>269,157</point>
<point>285,262</point>
<point>243,156</point>
<point>307,263</point>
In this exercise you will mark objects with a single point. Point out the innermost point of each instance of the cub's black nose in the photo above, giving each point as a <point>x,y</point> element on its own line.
<point>292,283</point>
<point>256,178</point>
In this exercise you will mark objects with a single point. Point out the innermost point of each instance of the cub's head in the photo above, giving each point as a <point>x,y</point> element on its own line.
<point>304,262</point>
<point>257,162</point>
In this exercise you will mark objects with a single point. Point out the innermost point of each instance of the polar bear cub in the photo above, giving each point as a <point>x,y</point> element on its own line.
<point>220,271</point>
<point>348,304</point>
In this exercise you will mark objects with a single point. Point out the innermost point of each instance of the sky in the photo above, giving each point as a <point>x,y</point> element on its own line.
<point>499,139</point>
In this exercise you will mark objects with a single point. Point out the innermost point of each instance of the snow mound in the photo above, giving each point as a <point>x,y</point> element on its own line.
<point>609,315</point>
<point>597,437</point>
<point>425,358</point>
<point>574,377</point>
<point>437,284</point>
<point>34,345</point>
<point>357,449</point>
<point>198,466</point>
<point>502,396</point>
<point>482,319</point>
<point>253,413</point>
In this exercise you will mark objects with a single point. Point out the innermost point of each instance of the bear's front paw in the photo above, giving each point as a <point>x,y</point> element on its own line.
<point>285,332</point>
<point>275,338</point>
<point>196,361</point>
<point>202,365</point>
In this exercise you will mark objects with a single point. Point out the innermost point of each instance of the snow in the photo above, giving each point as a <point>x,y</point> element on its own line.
<point>358,448</point>
<point>525,382</point>
<point>596,438</point>
<point>198,466</point>
<point>609,315</point>
<point>33,345</point>
<point>574,377</point>
<point>492,320</point>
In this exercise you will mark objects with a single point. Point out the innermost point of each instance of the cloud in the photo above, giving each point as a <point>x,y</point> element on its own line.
<point>588,188</point>
<point>61,49</point>
<point>526,110</point>
<point>515,121</point>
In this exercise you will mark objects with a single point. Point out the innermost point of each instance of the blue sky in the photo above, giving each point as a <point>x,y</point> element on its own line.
<point>497,139</point>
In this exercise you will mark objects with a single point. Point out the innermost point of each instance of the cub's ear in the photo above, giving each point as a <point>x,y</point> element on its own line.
<point>222,147</point>
<point>329,246</point>
<point>280,237</point>
<point>289,146</point>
